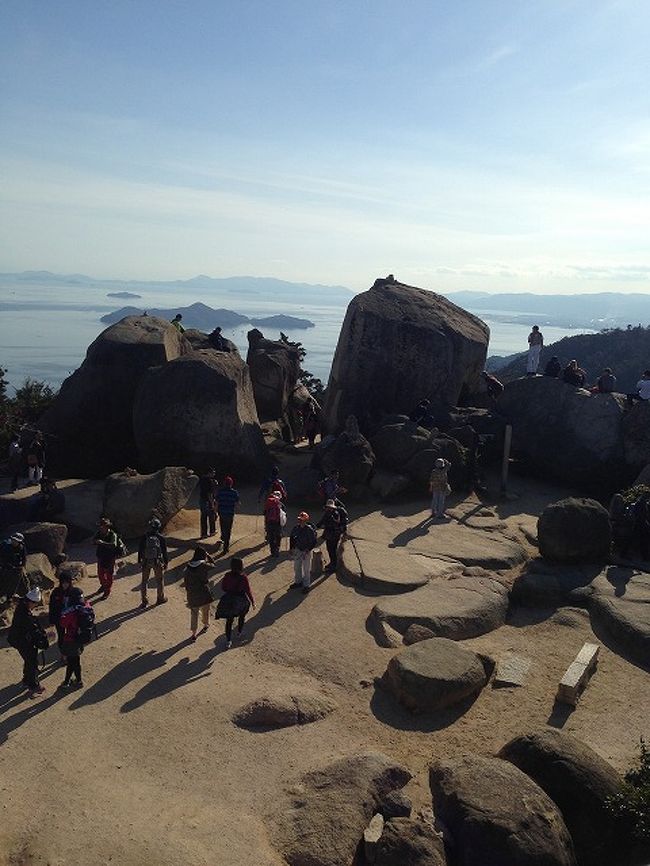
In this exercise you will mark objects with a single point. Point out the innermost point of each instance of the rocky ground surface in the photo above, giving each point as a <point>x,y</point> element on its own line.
<point>156,759</point>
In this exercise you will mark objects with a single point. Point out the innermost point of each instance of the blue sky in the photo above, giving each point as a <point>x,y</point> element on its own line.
<point>500,145</point>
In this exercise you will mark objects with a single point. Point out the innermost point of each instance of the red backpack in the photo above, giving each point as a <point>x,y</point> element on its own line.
<point>272,509</point>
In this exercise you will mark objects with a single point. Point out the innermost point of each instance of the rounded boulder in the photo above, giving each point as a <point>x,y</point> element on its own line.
<point>574,530</point>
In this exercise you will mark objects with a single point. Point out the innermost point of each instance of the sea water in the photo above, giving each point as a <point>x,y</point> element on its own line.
<point>45,330</point>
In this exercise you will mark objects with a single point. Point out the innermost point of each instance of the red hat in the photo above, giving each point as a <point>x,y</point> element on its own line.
<point>303,516</point>
<point>228,481</point>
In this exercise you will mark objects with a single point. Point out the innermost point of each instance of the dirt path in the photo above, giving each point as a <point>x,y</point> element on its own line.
<point>144,764</point>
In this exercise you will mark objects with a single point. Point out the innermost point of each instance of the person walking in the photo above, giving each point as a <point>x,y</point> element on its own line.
<point>106,543</point>
<point>334,522</point>
<point>71,646</point>
<point>15,461</point>
<point>197,588</point>
<point>152,555</point>
<point>302,542</point>
<point>311,423</point>
<point>236,600</point>
<point>227,501</point>
<point>27,636</point>
<point>13,562</point>
<point>208,489</point>
<point>275,518</point>
<point>535,344</point>
<point>439,487</point>
<point>36,458</point>
<point>64,596</point>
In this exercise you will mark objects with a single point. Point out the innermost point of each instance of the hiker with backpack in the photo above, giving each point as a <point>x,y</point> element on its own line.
<point>334,522</point>
<point>273,484</point>
<point>107,545</point>
<point>152,555</point>
<point>208,489</point>
<point>28,637</point>
<point>77,622</point>
<point>197,587</point>
<point>275,517</point>
<point>302,542</point>
<point>64,596</point>
<point>236,600</point>
<point>227,501</point>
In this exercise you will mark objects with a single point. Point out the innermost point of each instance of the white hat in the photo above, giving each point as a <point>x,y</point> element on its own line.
<point>17,536</point>
<point>440,462</point>
<point>34,595</point>
<point>330,504</point>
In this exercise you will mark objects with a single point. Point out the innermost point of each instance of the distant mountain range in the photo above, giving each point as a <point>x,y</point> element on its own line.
<point>206,318</point>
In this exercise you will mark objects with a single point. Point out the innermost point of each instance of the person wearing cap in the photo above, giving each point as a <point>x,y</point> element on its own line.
<point>302,541</point>
<point>13,559</point>
<point>439,487</point>
<point>25,633</point>
<point>227,501</point>
<point>334,522</point>
<point>197,587</point>
<point>65,595</point>
<point>105,541</point>
<point>274,514</point>
<point>152,555</point>
<point>208,488</point>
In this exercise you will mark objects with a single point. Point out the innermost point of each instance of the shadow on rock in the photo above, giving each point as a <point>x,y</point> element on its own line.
<point>385,709</point>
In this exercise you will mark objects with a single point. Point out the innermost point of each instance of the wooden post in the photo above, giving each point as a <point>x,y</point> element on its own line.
<point>507,442</point>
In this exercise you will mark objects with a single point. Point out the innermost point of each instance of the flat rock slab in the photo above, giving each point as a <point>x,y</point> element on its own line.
<point>458,608</point>
<point>389,569</point>
<point>511,670</point>
<point>623,610</point>
<point>451,541</point>
<point>284,710</point>
<point>434,674</point>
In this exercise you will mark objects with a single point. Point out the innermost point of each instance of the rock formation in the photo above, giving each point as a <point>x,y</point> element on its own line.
<point>574,530</point>
<point>47,538</point>
<point>90,422</point>
<point>398,345</point>
<point>199,411</point>
<point>284,710</point>
<point>274,369</point>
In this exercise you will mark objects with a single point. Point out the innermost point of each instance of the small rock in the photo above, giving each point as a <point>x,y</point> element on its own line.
<point>372,835</point>
<point>416,632</point>
<point>511,670</point>
<point>284,710</point>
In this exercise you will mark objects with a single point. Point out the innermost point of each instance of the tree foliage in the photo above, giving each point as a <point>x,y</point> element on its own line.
<point>632,804</point>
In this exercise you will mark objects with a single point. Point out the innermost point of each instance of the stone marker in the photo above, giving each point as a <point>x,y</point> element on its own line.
<point>372,835</point>
<point>577,675</point>
<point>511,670</point>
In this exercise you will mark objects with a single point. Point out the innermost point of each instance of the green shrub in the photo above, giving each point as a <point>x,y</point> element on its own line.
<point>632,804</point>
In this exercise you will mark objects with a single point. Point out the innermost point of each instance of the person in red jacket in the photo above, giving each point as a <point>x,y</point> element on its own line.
<point>236,600</point>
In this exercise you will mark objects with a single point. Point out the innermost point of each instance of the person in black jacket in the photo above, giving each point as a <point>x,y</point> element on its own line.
<point>24,634</point>
<point>13,559</point>
<point>152,554</point>
<point>208,489</point>
<point>65,595</point>
<point>334,522</point>
<point>302,542</point>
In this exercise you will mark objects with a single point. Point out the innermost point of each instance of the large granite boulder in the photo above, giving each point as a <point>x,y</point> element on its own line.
<point>90,421</point>
<point>131,500</point>
<point>274,369</point>
<point>579,782</point>
<point>199,411</point>
<point>497,816</point>
<point>332,807</point>
<point>398,345</point>
<point>200,340</point>
<point>47,538</point>
<point>39,572</point>
<point>621,608</point>
<point>570,434</point>
<point>434,674</point>
<point>574,530</point>
<point>409,842</point>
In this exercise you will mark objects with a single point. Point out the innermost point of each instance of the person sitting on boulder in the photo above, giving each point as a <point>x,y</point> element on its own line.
<point>302,542</point>
<point>334,522</point>
<point>553,368</point>
<point>176,322</point>
<point>217,341</point>
<point>574,375</point>
<point>50,502</point>
<point>152,554</point>
<point>208,489</point>
<point>273,484</point>
<point>275,517</point>
<point>606,382</point>
<point>642,389</point>
<point>535,344</point>
<point>492,385</point>
<point>227,502</point>
<point>329,487</point>
<point>421,416</point>
<point>106,543</point>
<point>439,487</point>
<point>13,559</point>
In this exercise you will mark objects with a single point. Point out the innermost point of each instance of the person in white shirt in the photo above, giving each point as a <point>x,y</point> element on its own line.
<point>535,343</point>
<point>642,389</point>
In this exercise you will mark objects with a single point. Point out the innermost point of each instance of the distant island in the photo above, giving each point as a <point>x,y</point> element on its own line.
<point>124,295</point>
<point>207,318</point>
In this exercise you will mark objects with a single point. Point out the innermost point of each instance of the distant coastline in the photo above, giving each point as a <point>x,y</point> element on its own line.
<point>123,295</point>
<point>203,317</point>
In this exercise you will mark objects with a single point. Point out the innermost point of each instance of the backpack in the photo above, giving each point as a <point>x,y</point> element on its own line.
<point>273,510</point>
<point>152,548</point>
<point>85,622</point>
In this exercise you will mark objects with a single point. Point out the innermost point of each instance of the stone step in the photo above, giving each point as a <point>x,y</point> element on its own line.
<point>577,675</point>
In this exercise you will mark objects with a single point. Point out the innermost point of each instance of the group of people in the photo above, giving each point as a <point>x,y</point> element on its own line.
<point>26,460</point>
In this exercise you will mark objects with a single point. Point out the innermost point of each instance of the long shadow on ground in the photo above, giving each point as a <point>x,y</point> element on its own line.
<point>185,671</point>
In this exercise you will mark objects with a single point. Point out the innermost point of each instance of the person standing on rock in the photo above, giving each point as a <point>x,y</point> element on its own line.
<point>439,487</point>
<point>334,522</point>
<point>36,458</point>
<point>13,561</point>
<point>273,484</point>
<point>15,461</point>
<point>176,322</point>
<point>535,344</point>
<point>27,636</point>
<point>302,542</point>
<point>197,587</point>
<point>227,501</point>
<point>106,543</point>
<point>311,423</point>
<point>208,489</point>
<point>152,555</point>
<point>236,600</point>
<point>275,517</point>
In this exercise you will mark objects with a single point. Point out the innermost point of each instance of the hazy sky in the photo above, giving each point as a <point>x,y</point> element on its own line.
<point>501,145</point>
